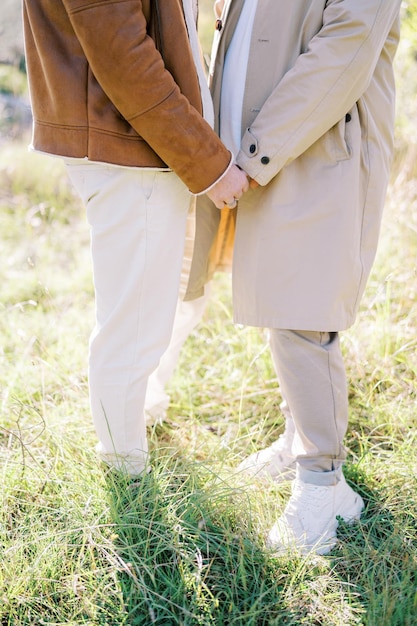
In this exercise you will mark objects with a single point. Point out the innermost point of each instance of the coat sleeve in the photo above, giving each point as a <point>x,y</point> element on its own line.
<point>130,70</point>
<point>322,86</point>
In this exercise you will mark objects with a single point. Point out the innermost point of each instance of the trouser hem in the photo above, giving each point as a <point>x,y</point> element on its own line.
<point>322,479</point>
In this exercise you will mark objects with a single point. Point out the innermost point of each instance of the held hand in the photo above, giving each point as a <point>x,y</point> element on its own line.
<point>229,189</point>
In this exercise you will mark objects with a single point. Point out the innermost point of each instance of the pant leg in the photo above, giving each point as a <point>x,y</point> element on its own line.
<point>187,315</point>
<point>137,220</point>
<point>311,373</point>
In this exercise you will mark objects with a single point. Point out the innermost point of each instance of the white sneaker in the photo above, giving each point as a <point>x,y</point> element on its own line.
<point>275,462</point>
<point>309,521</point>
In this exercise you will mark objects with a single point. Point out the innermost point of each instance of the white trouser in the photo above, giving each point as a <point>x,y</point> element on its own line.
<point>311,374</point>
<point>138,220</point>
<point>188,314</point>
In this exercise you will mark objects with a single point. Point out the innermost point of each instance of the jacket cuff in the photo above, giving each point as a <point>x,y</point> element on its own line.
<point>201,193</point>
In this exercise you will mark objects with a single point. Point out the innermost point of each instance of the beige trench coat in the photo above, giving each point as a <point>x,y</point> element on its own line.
<point>317,134</point>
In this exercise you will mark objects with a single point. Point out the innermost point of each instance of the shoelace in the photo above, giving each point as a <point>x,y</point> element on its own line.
<point>310,495</point>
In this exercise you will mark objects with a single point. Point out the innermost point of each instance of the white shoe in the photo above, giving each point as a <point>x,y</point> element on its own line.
<point>275,462</point>
<point>309,521</point>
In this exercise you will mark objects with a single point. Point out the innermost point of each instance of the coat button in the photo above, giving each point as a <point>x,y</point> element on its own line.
<point>265,160</point>
<point>348,117</point>
<point>252,148</point>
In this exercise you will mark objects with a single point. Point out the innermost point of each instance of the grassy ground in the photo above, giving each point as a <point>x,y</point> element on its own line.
<point>185,545</point>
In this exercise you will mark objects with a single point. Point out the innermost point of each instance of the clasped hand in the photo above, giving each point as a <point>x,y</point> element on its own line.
<point>227,191</point>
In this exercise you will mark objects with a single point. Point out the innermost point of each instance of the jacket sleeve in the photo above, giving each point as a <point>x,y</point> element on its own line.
<point>322,86</point>
<point>130,70</point>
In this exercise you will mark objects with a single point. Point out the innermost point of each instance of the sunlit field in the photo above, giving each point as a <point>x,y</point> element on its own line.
<point>185,545</point>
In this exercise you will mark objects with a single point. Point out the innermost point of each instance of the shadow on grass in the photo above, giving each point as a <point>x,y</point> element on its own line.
<point>188,555</point>
<point>378,556</point>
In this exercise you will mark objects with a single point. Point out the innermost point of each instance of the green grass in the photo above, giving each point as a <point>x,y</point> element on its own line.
<point>185,545</point>
<point>12,81</point>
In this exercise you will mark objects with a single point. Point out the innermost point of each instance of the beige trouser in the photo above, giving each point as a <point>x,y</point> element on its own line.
<point>138,221</point>
<point>311,374</point>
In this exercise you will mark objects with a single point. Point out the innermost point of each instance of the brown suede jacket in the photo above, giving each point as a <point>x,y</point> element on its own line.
<point>115,81</point>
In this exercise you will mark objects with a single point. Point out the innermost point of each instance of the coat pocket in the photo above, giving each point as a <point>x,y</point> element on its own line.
<point>339,138</point>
